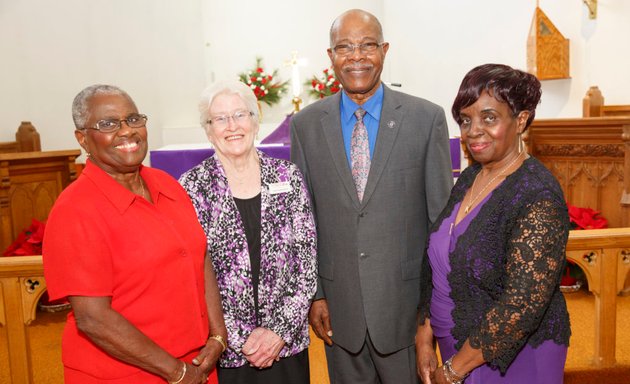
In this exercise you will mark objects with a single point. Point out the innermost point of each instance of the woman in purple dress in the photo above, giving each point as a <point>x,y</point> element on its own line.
<point>497,251</point>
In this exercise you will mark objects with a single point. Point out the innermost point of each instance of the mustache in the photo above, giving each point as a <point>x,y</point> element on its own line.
<point>354,67</point>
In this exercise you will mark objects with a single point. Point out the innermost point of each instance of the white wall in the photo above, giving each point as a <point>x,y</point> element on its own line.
<point>50,50</point>
<point>165,52</point>
<point>434,44</point>
<point>237,31</point>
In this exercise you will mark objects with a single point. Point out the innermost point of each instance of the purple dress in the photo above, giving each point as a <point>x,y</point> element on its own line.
<point>542,365</point>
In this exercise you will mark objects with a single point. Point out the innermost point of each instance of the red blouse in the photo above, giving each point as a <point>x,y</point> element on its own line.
<point>103,240</point>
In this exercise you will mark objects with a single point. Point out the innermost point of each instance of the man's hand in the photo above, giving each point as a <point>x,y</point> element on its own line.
<point>319,319</point>
<point>426,362</point>
<point>426,358</point>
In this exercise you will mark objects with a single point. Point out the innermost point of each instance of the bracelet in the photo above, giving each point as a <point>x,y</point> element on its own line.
<point>451,375</point>
<point>181,377</point>
<point>221,341</point>
<point>448,377</point>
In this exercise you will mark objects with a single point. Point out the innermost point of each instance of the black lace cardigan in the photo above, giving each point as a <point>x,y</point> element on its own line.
<point>506,268</point>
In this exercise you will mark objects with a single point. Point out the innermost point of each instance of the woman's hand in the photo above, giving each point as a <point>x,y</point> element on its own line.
<point>426,358</point>
<point>208,356</point>
<point>262,348</point>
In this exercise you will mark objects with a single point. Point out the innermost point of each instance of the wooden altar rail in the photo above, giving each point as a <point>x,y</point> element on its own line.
<point>21,285</point>
<point>603,255</point>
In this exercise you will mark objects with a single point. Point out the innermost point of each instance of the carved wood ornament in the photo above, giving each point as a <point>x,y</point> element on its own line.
<point>547,49</point>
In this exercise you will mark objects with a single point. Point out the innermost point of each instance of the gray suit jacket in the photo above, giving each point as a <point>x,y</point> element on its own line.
<point>370,253</point>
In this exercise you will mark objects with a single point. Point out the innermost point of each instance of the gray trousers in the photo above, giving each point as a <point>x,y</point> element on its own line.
<point>368,366</point>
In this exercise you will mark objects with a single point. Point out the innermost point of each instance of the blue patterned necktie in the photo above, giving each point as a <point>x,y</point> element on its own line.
<point>360,154</point>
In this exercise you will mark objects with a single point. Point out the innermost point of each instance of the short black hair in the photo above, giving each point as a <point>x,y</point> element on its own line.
<point>520,90</point>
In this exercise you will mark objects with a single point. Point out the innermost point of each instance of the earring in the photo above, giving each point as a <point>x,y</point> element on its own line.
<point>520,143</point>
<point>87,154</point>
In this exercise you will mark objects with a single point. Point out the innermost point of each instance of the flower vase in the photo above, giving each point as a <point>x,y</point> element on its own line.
<point>260,113</point>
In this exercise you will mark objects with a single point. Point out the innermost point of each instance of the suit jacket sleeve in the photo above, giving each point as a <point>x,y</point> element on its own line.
<point>438,187</point>
<point>438,167</point>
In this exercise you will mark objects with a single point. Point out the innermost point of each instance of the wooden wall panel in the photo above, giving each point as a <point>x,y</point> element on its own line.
<point>588,158</point>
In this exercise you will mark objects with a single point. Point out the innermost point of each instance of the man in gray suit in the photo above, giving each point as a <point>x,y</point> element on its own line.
<point>378,179</point>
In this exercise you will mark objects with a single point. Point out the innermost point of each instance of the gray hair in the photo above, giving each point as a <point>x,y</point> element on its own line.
<point>366,16</point>
<point>80,113</point>
<point>229,87</point>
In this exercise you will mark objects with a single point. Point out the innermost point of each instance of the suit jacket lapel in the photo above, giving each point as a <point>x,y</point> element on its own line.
<point>389,126</point>
<point>331,124</point>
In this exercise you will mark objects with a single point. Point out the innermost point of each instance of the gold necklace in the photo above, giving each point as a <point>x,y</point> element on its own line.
<point>472,188</point>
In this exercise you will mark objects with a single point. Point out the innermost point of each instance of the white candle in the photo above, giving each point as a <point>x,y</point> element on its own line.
<point>295,80</point>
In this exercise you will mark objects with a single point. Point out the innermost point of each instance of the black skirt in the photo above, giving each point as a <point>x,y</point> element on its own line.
<point>289,370</point>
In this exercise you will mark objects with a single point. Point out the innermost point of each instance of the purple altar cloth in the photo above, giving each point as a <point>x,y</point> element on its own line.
<point>282,134</point>
<point>177,161</point>
<point>456,154</point>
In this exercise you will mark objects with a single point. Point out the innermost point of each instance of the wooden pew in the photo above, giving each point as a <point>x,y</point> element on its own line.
<point>30,182</point>
<point>29,185</point>
<point>26,140</point>
<point>593,106</point>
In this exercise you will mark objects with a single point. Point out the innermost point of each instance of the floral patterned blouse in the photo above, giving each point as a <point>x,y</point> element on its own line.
<point>288,266</point>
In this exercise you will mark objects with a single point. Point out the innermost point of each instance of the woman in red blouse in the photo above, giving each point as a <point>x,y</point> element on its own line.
<point>123,244</point>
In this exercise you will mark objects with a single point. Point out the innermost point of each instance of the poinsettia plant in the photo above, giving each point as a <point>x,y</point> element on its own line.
<point>267,88</point>
<point>29,241</point>
<point>325,85</point>
<point>586,218</point>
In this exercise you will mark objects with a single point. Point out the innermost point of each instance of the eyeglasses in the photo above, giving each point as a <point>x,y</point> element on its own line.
<point>347,49</point>
<point>223,121</point>
<point>113,125</point>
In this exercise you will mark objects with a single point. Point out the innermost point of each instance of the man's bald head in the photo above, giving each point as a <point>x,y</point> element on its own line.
<point>355,14</point>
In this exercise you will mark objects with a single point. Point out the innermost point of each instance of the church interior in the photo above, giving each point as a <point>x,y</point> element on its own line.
<point>164,53</point>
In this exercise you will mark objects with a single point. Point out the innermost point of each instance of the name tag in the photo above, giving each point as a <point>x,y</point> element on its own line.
<point>281,187</point>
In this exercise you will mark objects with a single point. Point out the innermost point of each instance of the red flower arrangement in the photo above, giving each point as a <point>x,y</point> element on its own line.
<point>586,218</point>
<point>262,83</point>
<point>326,85</point>
<point>580,218</point>
<point>28,242</point>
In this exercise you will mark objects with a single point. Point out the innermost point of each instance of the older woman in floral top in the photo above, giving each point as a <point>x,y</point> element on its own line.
<point>257,216</point>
